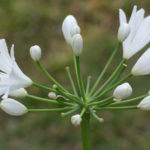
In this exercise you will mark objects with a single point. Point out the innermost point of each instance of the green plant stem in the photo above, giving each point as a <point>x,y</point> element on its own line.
<point>50,77</point>
<point>50,110</point>
<point>85,130</point>
<point>129,100</point>
<point>105,68</point>
<point>43,87</point>
<point>71,81</point>
<point>88,85</point>
<point>41,99</point>
<point>116,108</point>
<point>112,87</point>
<point>78,74</point>
<point>120,66</point>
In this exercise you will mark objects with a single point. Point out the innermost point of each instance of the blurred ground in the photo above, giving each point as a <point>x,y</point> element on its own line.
<point>27,22</point>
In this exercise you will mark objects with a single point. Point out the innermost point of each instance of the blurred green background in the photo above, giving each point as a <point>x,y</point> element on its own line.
<point>26,23</point>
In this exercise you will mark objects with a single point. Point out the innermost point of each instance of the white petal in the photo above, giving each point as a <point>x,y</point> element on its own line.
<point>122,16</point>
<point>142,66</point>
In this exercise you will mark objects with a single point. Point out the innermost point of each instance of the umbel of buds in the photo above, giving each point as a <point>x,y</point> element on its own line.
<point>76,120</point>
<point>122,91</point>
<point>35,52</point>
<point>13,107</point>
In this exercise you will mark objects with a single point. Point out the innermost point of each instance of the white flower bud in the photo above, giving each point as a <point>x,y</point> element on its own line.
<point>13,107</point>
<point>35,52</point>
<point>142,66</point>
<point>77,44</point>
<point>145,103</point>
<point>20,93</point>
<point>52,95</point>
<point>68,23</point>
<point>76,120</point>
<point>122,91</point>
<point>54,86</point>
<point>75,30</point>
<point>123,32</point>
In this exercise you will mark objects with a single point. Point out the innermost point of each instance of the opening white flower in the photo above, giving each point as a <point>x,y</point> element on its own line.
<point>11,77</point>
<point>139,35</point>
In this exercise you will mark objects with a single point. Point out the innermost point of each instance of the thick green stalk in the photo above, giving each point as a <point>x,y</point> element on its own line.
<point>85,130</point>
<point>120,66</point>
<point>71,81</point>
<point>105,68</point>
<point>78,74</point>
<point>50,77</point>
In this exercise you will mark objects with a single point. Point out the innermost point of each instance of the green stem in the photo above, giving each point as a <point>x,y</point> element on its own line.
<point>129,100</point>
<point>85,130</point>
<point>50,110</point>
<point>50,77</point>
<point>41,99</point>
<point>120,66</point>
<point>105,68</point>
<point>116,108</point>
<point>78,74</point>
<point>43,87</point>
<point>71,81</point>
<point>88,85</point>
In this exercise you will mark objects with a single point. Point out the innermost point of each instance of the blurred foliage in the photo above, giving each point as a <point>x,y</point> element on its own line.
<point>27,22</point>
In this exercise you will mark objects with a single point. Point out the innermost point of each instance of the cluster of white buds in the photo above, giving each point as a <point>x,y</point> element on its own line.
<point>71,32</point>
<point>122,91</point>
<point>76,120</point>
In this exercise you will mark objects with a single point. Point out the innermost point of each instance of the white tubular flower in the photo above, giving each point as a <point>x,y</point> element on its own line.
<point>76,120</point>
<point>123,32</point>
<point>52,95</point>
<point>145,103</point>
<point>12,78</point>
<point>77,44</point>
<point>13,107</point>
<point>75,30</point>
<point>35,52</point>
<point>20,93</point>
<point>139,35</point>
<point>142,66</point>
<point>122,91</point>
<point>68,26</point>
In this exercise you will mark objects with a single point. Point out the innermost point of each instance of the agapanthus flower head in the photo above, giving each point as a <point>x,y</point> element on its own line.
<point>69,26</point>
<point>122,91</point>
<point>142,66</point>
<point>139,35</point>
<point>145,103</point>
<point>11,77</point>
<point>13,107</point>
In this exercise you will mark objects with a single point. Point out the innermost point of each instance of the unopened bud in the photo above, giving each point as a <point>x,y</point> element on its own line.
<point>13,107</point>
<point>145,103</point>
<point>122,91</point>
<point>52,95</point>
<point>76,120</point>
<point>77,44</point>
<point>54,86</point>
<point>20,93</point>
<point>35,52</point>
<point>123,32</point>
<point>75,30</point>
